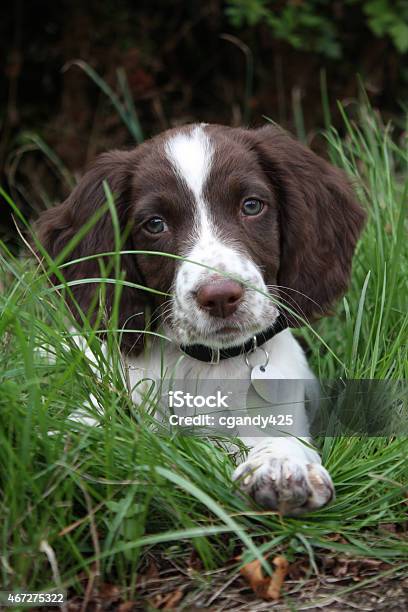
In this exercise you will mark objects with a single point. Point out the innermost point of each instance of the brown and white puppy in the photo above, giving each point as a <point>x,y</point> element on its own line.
<point>258,207</point>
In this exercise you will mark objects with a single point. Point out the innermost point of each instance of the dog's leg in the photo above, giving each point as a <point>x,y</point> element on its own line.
<point>285,473</point>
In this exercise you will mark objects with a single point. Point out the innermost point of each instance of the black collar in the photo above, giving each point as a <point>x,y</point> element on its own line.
<point>211,355</point>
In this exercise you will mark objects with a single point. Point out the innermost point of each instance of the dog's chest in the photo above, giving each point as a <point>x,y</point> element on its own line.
<point>231,378</point>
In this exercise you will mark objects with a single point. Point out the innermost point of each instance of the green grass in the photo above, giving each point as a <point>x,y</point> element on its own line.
<point>105,499</point>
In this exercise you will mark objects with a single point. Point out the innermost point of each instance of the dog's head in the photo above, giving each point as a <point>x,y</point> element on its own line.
<point>259,213</point>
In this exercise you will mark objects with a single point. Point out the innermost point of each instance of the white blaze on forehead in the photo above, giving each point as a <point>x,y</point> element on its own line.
<point>190,154</point>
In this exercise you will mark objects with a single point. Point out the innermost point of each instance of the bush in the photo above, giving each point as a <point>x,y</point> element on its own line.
<point>320,26</point>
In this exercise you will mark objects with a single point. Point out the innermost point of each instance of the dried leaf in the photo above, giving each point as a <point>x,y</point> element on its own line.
<point>167,601</point>
<point>150,575</point>
<point>278,578</point>
<point>268,588</point>
<point>194,563</point>
<point>172,600</point>
<point>252,572</point>
<point>127,606</point>
<point>108,592</point>
<point>342,567</point>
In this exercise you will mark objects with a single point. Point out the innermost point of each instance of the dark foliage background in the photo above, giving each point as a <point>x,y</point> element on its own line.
<point>229,62</point>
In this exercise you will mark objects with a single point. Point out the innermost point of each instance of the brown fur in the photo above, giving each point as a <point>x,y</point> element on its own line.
<point>304,242</point>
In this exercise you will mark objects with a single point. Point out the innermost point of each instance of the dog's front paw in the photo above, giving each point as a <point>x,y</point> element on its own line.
<point>284,484</point>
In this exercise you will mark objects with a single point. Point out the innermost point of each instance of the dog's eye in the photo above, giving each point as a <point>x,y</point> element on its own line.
<point>252,207</point>
<point>156,225</point>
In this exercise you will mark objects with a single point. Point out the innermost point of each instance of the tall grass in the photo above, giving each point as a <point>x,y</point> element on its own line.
<point>370,330</point>
<point>105,499</point>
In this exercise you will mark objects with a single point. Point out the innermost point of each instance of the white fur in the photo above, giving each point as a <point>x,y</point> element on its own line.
<point>191,154</point>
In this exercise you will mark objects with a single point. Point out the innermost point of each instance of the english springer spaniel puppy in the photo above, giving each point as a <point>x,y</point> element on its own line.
<point>267,232</point>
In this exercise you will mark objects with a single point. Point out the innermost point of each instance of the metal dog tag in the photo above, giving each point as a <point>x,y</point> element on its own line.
<point>264,380</point>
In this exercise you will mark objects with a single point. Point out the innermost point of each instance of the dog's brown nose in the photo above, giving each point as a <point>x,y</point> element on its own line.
<point>220,298</point>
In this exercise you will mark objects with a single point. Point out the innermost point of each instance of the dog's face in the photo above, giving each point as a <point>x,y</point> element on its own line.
<point>203,195</point>
<point>259,214</point>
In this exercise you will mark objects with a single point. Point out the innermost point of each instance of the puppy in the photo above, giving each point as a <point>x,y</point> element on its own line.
<point>266,230</point>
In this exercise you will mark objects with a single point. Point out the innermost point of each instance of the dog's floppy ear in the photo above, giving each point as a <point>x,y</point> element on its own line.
<point>58,225</point>
<point>320,222</point>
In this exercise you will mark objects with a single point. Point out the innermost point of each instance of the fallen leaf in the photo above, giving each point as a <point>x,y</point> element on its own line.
<point>108,592</point>
<point>341,568</point>
<point>172,600</point>
<point>268,588</point>
<point>127,606</point>
<point>151,574</point>
<point>194,562</point>
<point>252,572</point>
<point>167,601</point>
<point>298,569</point>
<point>278,578</point>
